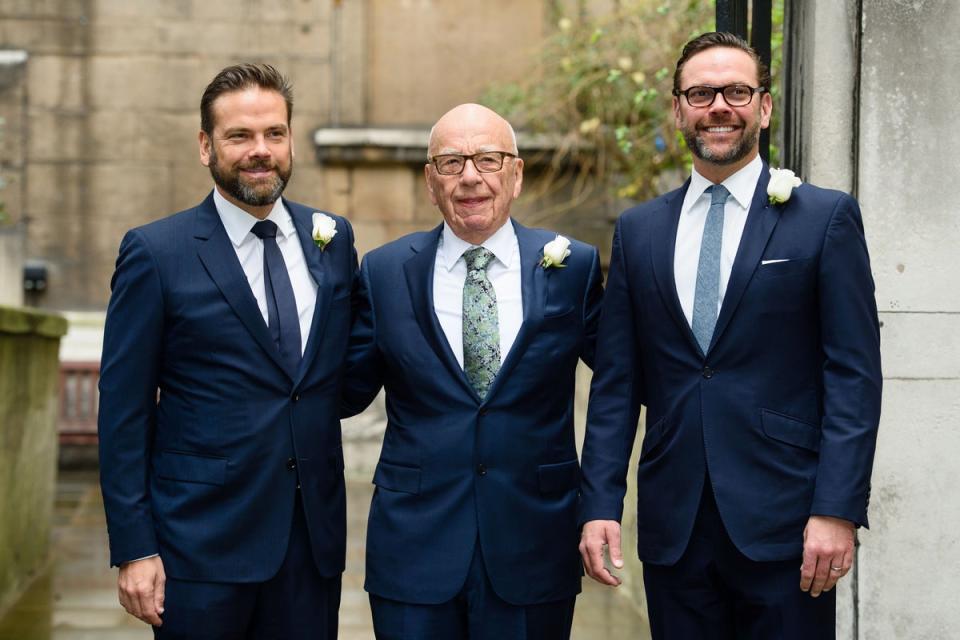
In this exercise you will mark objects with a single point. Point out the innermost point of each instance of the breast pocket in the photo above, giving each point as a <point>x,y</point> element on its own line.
<point>791,267</point>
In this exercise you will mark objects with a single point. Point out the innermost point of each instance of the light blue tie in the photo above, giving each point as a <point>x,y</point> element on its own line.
<point>707,293</point>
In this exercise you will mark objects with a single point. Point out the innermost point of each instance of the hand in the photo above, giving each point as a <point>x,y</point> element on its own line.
<point>141,585</point>
<point>593,537</point>
<point>827,553</point>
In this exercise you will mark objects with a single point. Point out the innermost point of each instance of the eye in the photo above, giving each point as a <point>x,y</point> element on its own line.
<point>739,91</point>
<point>449,163</point>
<point>487,161</point>
<point>700,93</point>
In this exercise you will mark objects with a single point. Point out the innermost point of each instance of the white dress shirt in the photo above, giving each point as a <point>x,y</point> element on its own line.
<point>693,217</point>
<point>450,272</point>
<point>249,248</point>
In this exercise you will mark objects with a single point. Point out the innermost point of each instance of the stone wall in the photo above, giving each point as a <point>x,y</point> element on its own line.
<point>878,119</point>
<point>113,90</point>
<point>28,442</point>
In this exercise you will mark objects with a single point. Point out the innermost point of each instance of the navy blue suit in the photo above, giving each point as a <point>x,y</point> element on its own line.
<point>780,415</point>
<point>457,470</point>
<point>206,474</point>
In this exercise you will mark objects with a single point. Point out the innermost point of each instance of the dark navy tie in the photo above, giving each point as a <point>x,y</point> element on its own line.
<point>282,317</point>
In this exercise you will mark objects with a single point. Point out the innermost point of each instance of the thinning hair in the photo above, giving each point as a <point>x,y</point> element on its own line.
<point>513,137</point>
<point>714,39</point>
<point>237,78</point>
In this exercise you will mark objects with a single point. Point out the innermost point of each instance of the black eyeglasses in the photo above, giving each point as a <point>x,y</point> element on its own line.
<point>735,95</point>
<point>452,164</point>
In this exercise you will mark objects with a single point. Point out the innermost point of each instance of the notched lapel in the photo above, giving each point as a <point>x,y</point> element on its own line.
<point>761,221</point>
<point>317,264</point>
<point>220,260</point>
<point>663,242</point>
<point>533,290</point>
<point>418,271</point>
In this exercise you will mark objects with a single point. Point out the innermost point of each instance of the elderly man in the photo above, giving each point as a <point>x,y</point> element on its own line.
<point>740,311</point>
<point>225,498</point>
<point>474,329</point>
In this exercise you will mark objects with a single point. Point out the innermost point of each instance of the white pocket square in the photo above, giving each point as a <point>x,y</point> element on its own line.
<point>763,262</point>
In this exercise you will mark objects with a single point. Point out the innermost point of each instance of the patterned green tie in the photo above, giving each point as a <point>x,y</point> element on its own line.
<point>481,326</point>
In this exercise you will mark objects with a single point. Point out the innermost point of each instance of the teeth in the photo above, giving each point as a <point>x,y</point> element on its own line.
<point>720,129</point>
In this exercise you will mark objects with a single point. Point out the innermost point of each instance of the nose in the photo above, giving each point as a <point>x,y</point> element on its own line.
<point>260,148</point>
<point>470,174</point>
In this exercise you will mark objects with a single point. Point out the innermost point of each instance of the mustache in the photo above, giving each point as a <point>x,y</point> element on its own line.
<point>259,164</point>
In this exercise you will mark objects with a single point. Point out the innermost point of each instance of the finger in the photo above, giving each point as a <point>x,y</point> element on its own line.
<point>820,576</point>
<point>613,545</point>
<point>595,564</point>
<point>159,593</point>
<point>145,602</point>
<point>835,573</point>
<point>807,570</point>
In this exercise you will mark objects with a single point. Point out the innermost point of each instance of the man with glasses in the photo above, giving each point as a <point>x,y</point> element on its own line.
<point>741,313</point>
<point>474,329</point>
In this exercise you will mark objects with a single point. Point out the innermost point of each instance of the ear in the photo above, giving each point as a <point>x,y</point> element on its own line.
<point>426,175</point>
<point>517,177</point>
<point>293,152</point>
<point>204,141</point>
<point>766,109</point>
<point>676,112</point>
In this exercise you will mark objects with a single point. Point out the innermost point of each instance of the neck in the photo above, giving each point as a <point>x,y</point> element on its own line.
<point>258,212</point>
<point>717,173</point>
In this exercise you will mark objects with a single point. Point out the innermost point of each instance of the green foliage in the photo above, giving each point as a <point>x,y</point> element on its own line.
<point>603,87</point>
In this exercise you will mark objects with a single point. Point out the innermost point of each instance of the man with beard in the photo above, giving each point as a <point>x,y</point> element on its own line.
<point>740,311</point>
<point>221,464</point>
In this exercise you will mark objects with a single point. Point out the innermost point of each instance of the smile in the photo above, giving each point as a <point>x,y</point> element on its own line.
<point>726,129</point>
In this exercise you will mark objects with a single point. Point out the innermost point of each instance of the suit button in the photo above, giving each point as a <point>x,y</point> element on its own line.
<point>296,397</point>
<point>707,373</point>
<point>484,411</point>
<point>291,464</point>
<point>481,469</point>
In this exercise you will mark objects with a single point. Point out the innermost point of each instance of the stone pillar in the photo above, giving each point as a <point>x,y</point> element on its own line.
<point>29,369</point>
<point>880,89</point>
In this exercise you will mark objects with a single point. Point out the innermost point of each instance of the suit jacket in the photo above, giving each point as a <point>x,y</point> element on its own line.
<point>457,470</point>
<point>782,410</point>
<point>206,474</point>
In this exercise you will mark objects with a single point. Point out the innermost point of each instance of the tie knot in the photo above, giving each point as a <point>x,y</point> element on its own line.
<point>477,258</point>
<point>265,229</point>
<point>718,194</point>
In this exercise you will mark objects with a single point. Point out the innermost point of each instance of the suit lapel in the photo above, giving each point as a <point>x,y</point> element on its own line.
<point>533,286</point>
<point>761,221</point>
<point>220,260</point>
<point>317,265</point>
<point>418,271</point>
<point>663,242</point>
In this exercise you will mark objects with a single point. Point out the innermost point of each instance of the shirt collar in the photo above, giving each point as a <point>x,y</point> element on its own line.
<point>238,222</point>
<point>500,244</point>
<point>741,184</point>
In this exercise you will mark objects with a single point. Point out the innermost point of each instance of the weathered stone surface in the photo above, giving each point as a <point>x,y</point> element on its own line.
<point>28,442</point>
<point>382,193</point>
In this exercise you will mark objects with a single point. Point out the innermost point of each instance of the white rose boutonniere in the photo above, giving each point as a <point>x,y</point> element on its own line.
<point>324,228</point>
<point>555,252</point>
<point>781,185</point>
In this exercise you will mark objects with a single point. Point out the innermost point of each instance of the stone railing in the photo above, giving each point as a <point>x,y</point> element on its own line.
<point>29,375</point>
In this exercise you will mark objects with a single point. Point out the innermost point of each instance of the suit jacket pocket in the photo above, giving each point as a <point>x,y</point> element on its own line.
<point>553,314</point>
<point>778,269</point>
<point>654,434</point>
<point>397,478</point>
<point>790,430</point>
<point>191,467</point>
<point>559,477</point>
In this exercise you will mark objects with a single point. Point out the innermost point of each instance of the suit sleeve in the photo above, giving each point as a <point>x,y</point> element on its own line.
<point>592,300</point>
<point>129,374</point>
<point>363,378</point>
<point>614,398</point>
<point>852,379</point>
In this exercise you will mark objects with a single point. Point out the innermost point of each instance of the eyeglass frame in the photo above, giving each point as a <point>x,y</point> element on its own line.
<point>503,156</point>
<point>717,91</point>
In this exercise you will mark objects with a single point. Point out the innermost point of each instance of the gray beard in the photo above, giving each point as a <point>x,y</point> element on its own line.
<point>246,193</point>
<point>743,148</point>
